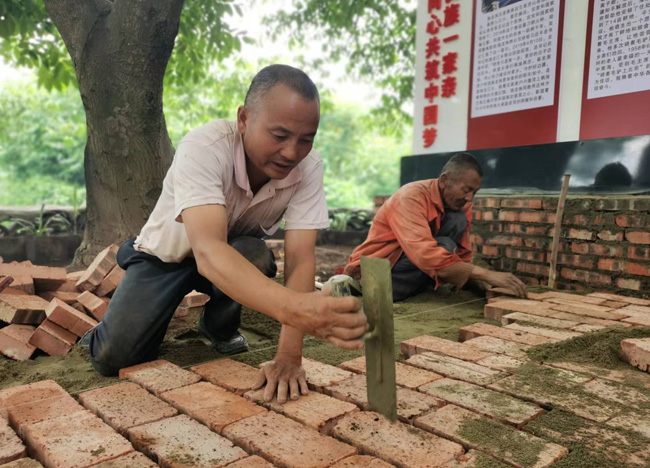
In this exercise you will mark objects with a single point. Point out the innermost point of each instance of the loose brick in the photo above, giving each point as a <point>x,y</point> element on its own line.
<point>21,309</point>
<point>409,402</point>
<point>636,352</point>
<point>559,335</point>
<point>589,310</point>
<point>451,420</point>
<point>125,405</point>
<point>132,460</point>
<point>95,306</point>
<point>498,310</point>
<point>75,440</point>
<point>276,438</point>
<point>109,284</point>
<point>69,318</point>
<point>182,442</point>
<point>14,341</point>
<point>621,298</point>
<point>251,462</point>
<point>28,394</point>
<point>637,421</point>
<point>211,405</point>
<point>362,461</point>
<point>52,339</point>
<point>483,401</point>
<point>503,363</point>
<point>405,376</point>
<point>316,410</point>
<point>614,304</point>
<point>474,459</point>
<point>426,343</point>
<point>23,463</point>
<point>24,283</point>
<point>67,297</point>
<point>321,375</point>
<point>498,346</point>
<point>45,278</point>
<point>619,393</point>
<point>583,319</point>
<point>455,368</point>
<point>195,299</point>
<point>229,374</point>
<point>159,376</point>
<point>638,237</point>
<point>397,443</point>
<point>630,377</point>
<point>11,447</point>
<point>22,416</point>
<point>103,263</point>
<point>484,329</point>
<point>568,296</point>
<point>537,320</point>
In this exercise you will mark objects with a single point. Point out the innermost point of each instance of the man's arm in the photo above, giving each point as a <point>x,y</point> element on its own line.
<point>337,320</point>
<point>285,371</point>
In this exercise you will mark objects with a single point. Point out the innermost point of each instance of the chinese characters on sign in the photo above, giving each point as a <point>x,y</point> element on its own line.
<point>620,48</point>
<point>515,55</point>
<point>441,63</point>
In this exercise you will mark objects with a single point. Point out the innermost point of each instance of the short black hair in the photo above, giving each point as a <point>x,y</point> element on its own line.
<point>461,162</point>
<point>291,77</point>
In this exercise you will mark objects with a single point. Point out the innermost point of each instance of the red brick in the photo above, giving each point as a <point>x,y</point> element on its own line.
<point>538,321</point>
<point>476,215</point>
<point>483,329</point>
<point>627,283</point>
<point>45,278</point>
<point>490,251</point>
<point>132,460</point>
<point>11,448</point>
<point>52,339</point>
<point>24,283</point>
<point>614,304</point>
<point>159,376</point>
<point>125,405</point>
<point>426,343</point>
<point>625,220</point>
<point>28,394</point>
<point>409,402</point>
<point>606,250</point>
<point>455,368</point>
<point>500,347</point>
<point>109,284</point>
<point>530,203</point>
<point>474,459</point>
<point>251,462</point>
<point>533,269</point>
<point>582,234</point>
<point>608,235</point>
<point>574,260</point>
<point>511,216</point>
<point>579,248</point>
<point>95,306</point>
<point>211,405</point>
<point>481,400</point>
<point>487,215</point>
<point>398,443</point>
<point>638,237</point>
<point>505,240</point>
<point>67,297</point>
<point>585,276</point>
<point>529,255</point>
<point>503,362</point>
<point>28,310</point>
<point>536,217</point>
<point>590,310</point>
<point>229,374</point>
<point>22,416</point>
<point>568,297</point>
<point>315,409</point>
<point>23,463</point>
<point>475,239</point>
<point>276,438</point>
<point>495,311</point>
<point>103,263</point>
<point>14,341</point>
<point>482,202</point>
<point>636,352</point>
<point>362,461</point>
<point>559,335</point>
<point>75,440</point>
<point>620,298</point>
<point>538,244</point>
<point>321,375</point>
<point>195,299</point>
<point>181,442</point>
<point>638,253</point>
<point>69,318</point>
<point>450,420</point>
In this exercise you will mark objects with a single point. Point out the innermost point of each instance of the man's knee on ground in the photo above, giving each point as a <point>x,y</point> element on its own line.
<point>111,358</point>
<point>256,252</point>
<point>446,243</point>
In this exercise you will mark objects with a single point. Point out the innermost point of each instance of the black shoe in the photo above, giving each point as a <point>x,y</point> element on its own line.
<point>234,345</point>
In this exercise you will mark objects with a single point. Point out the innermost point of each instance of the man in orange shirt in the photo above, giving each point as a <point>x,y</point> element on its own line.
<point>423,229</point>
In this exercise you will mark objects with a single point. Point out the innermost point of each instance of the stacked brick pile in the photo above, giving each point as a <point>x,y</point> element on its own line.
<point>604,243</point>
<point>47,309</point>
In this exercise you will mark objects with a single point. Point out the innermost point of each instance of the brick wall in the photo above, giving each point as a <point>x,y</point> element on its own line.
<point>604,241</point>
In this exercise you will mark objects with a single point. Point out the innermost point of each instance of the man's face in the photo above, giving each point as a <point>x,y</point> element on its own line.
<point>459,191</point>
<point>278,132</point>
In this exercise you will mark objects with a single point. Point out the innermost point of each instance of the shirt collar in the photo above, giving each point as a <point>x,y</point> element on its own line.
<point>436,196</point>
<point>241,176</point>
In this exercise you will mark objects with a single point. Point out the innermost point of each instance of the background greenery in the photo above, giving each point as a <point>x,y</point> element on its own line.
<point>42,138</point>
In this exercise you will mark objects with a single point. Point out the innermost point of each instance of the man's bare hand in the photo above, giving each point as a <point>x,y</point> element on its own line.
<point>507,280</point>
<point>338,320</point>
<point>284,374</point>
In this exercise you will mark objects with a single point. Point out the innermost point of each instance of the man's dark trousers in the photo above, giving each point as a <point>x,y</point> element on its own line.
<point>408,279</point>
<point>142,306</point>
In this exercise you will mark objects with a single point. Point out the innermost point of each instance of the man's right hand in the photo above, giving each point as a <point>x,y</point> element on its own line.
<point>506,280</point>
<point>338,320</point>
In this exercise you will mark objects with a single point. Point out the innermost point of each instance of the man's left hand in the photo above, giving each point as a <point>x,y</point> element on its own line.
<point>284,374</point>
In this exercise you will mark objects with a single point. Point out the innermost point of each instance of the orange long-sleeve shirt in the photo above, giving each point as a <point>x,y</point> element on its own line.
<point>406,223</point>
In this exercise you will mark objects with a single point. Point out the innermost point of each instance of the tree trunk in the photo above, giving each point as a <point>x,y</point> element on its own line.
<point>120,51</point>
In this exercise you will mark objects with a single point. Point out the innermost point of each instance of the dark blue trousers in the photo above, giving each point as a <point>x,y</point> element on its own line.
<point>408,279</point>
<point>143,304</point>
